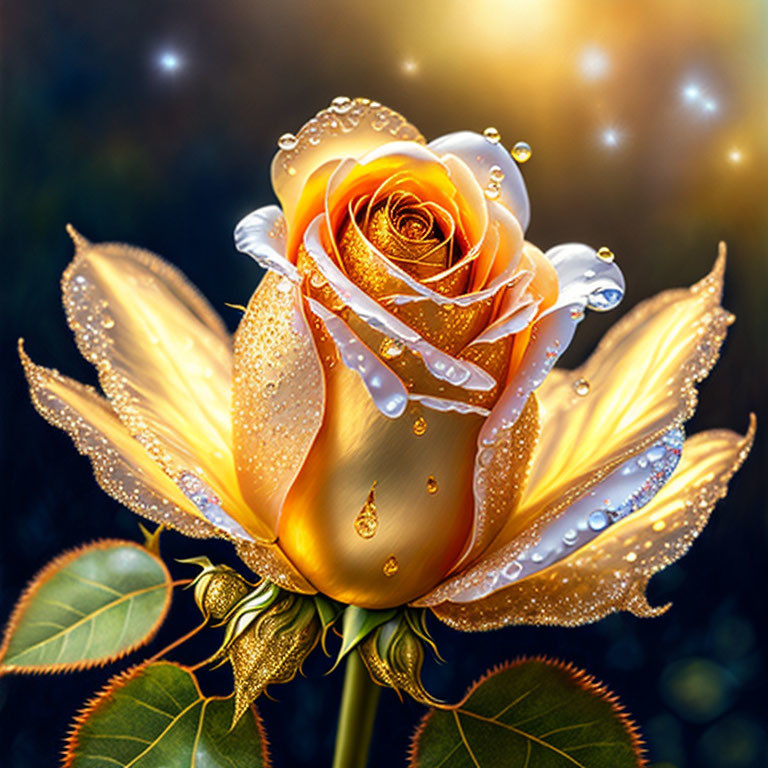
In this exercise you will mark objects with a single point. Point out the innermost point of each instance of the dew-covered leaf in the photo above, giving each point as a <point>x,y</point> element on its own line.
<point>86,608</point>
<point>531,713</point>
<point>155,716</point>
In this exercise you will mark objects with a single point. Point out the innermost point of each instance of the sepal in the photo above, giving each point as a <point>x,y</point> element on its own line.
<point>272,648</point>
<point>394,655</point>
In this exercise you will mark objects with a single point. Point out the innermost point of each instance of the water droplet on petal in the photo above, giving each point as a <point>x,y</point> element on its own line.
<point>570,536</point>
<point>597,520</point>
<point>341,104</point>
<point>497,174</point>
<point>367,521</point>
<point>604,299</point>
<point>605,254</point>
<point>522,152</point>
<point>581,387</point>
<point>287,142</point>
<point>492,135</point>
<point>431,484</point>
<point>390,349</point>
<point>419,426</point>
<point>492,191</point>
<point>107,322</point>
<point>391,566</point>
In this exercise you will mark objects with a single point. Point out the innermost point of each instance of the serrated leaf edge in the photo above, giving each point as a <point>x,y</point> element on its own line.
<point>581,677</point>
<point>104,696</point>
<point>41,577</point>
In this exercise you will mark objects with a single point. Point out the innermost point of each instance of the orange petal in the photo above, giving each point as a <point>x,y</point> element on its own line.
<point>300,174</point>
<point>164,360</point>
<point>373,489</point>
<point>612,572</point>
<point>277,400</point>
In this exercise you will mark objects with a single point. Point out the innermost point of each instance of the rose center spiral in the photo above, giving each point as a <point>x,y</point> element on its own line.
<point>417,236</point>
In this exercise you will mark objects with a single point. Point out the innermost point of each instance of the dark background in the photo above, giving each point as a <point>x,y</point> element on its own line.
<point>97,132</point>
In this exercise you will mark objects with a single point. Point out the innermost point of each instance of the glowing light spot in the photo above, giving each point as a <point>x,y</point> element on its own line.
<point>169,61</point>
<point>697,97</point>
<point>735,156</point>
<point>691,92</point>
<point>594,63</point>
<point>409,67</point>
<point>610,137</point>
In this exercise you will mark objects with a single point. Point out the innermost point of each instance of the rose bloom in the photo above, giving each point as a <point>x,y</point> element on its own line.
<point>386,427</point>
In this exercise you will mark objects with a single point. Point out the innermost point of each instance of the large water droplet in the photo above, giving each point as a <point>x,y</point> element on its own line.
<point>570,536</point>
<point>492,135</point>
<point>521,152</point>
<point>605,254</point>
<point>419,426</point>
<point>341,104</point>
<point>597,520</point>
<point>287,142</point>
<point>367,521</point>
<point>581,387</point>
<point>604,299</point>
<point>391,566</point>
<point>496,173</point>
<point>390,349</point>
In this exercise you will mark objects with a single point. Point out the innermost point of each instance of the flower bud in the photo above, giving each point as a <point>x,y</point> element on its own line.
<point>394,655</point>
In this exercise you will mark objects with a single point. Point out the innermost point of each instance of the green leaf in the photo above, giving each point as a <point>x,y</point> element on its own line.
<point>357,623</point>
<point>532,713</point>
<point>156,717</point>
<point>86,608</point>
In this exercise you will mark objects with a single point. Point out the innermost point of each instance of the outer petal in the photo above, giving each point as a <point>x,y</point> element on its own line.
<point>481,155</point>
<point>373,488</point>
<point>641,386</point>
<point>278,395</point>
<point>641,383</point>
<point>125,470</point>
<point>164,361</point>
<point>327,277</point>
<point>611,573</point>
<point>261,234</point>
<point>349,130</point>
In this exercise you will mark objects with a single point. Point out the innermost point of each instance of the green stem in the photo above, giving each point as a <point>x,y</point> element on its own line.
<point>358,711</point>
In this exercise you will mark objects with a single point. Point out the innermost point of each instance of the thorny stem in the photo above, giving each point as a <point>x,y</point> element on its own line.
<point>359,701</point>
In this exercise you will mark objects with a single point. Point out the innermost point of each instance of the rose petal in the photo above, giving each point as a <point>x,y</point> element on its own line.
<point>611,573</point>
<point>441,365</point>
<point>406,468</point>
<point>638,385</point>
<point>624,491</point>
<point>480,155</point>
<point>261,234</point>
<point>385,389</point>
<point>164,361</point>
<point>553,331</point>
<point>331,135</point>
<point>125,470</point>
<point>277,402</point>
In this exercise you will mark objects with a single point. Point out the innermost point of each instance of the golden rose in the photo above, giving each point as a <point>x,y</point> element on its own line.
<point>386,427</point>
